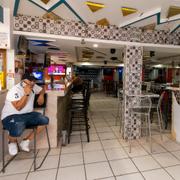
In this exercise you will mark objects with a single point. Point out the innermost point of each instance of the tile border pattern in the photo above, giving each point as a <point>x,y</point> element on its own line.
<point>78,29</point>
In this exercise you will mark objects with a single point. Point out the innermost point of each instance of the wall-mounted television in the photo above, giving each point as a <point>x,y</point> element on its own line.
<point>38,75</point>
<point>56,70</point>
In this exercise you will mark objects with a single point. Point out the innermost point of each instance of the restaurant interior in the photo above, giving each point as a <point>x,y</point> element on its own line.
<point>112,88</point>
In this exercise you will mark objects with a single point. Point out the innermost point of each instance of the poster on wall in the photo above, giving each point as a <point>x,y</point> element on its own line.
<point>4,40</point>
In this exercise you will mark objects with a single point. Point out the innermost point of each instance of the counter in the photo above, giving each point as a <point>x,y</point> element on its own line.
<point>175,129</point>
<point>58,102</point>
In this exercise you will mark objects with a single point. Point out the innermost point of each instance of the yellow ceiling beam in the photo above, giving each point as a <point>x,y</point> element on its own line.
<point>45,1</point>
<point>173,11</point>
<point>127,11</point>
<point>93,6</point>
<point>103,22</point>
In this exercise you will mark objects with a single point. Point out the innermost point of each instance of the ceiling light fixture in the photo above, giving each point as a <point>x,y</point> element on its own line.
<point>95,45</point>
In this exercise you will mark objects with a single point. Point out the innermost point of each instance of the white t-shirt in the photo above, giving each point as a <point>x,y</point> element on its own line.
<point>15,94</point>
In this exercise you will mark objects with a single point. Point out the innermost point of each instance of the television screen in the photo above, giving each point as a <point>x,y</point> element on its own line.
<point>56,70</point>
<point>38,75</point>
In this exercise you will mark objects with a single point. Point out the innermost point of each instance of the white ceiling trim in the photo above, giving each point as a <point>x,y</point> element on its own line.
<point>149,15</point>
<point>47,6</point>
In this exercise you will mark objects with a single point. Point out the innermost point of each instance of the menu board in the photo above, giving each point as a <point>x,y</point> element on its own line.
<point>4,40</point>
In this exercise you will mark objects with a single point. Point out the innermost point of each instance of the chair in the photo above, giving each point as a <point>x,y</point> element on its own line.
<point>34,128</point>
<point>158,109</point>
<point>79,112</point>
<point>141,106</point>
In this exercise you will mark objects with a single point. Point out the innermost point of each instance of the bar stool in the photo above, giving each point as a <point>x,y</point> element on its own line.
<point>34,128</point>
<point>79,113</point>
<point>141,106</point>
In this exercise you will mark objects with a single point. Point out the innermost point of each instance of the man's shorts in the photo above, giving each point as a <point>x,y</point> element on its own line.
<point>16,123</point>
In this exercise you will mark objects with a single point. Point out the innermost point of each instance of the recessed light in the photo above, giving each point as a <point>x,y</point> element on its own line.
<point>95,45</point>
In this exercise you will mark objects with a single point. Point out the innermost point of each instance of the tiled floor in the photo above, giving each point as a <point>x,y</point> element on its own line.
<point>106,157</point>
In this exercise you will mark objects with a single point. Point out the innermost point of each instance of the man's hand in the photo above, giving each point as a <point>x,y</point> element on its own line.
<point>40,99</point>
<point>27,89</point>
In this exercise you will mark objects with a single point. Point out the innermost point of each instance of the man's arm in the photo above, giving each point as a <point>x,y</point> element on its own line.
<point>22,102</point>
<point>40,99</point>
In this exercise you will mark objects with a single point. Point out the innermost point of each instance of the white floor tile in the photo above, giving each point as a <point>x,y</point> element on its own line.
<point>116,153</point>
<point>106,135</point>
<point>100,124</point>
<point>18,166</point>
<point>171,146</point>
<point>174,172</point>
<point>145,163</point>
<point>134,176</point>
<point>92,146</point>
<point>50,162</point>
<point>123,166</point>
<point>177,154</point>
<point>98,170</point>
<point>112,143</point>
<point>47,175</point>
<point>14,177</point>
<point>71,173</point>
<point>94,156</point>
<point>110,178</point>
<point>72,148</point>
<point>136,151</point>
<point>158,174</point>
<point>71,159</point>
<point>53,152</point>
<point>166,159</point>
<point>103,129</point>
<point>92,136</point>
<point>75,139</point>
<point>125,143</point>
<point>156,148</point>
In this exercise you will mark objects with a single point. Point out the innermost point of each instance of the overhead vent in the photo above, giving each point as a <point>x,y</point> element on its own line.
<point>127,11</point>
<point>93,6</point>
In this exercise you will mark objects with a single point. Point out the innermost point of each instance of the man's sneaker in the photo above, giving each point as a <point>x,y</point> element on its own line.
<point>13,149</point>
<point>25,145</point>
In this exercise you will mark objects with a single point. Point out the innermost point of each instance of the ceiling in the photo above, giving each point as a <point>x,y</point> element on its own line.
<point>146,12</point>
<point>76,52</point>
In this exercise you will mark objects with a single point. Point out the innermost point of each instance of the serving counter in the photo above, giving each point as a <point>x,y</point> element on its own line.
<point>175,129</point>
<point>58,102</point>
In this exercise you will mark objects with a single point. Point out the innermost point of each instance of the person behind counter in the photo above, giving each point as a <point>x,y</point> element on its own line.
<point>17,113</point>
<point>77,85</point>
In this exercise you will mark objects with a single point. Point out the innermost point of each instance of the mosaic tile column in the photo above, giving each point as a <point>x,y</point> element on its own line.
<point>132,85</point>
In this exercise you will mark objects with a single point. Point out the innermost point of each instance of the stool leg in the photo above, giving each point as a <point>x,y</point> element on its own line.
<point>150,135</point>
<point>159,123</point>
<point>3,153</point>
<point>47,134</point>
<point>87,128</point>
<point>34,149</point>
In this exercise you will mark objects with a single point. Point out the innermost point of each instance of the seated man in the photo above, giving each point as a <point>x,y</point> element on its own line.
<point>17,113</point>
